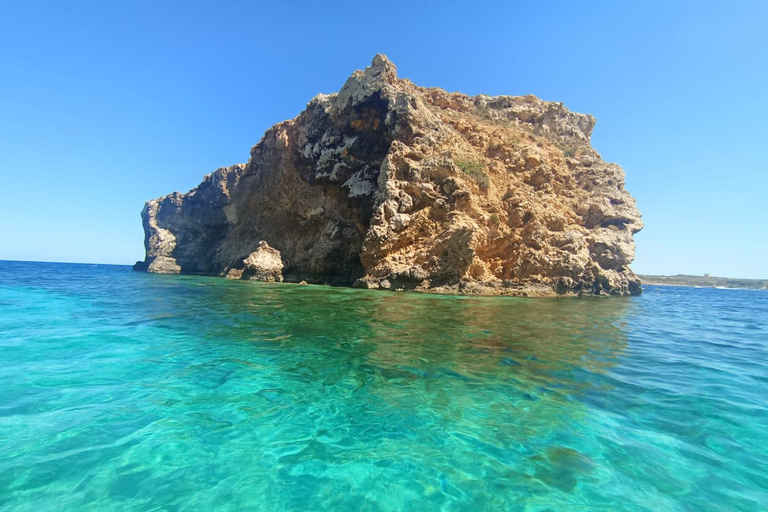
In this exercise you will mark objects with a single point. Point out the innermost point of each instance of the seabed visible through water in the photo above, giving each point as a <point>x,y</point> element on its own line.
<point>129,391</point>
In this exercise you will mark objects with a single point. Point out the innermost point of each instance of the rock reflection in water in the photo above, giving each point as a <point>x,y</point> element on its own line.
<point>481,391</point>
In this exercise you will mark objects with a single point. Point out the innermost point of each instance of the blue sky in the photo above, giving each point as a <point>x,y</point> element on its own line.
<point>106,104</point>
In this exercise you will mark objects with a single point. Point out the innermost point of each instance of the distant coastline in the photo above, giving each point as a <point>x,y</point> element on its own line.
<point>705,282</point>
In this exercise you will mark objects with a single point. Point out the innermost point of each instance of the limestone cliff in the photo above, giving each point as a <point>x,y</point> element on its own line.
<point>390,185</point>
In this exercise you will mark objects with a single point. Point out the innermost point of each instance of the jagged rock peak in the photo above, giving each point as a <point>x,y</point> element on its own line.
<point>382,65</point>
<point>390,185</point>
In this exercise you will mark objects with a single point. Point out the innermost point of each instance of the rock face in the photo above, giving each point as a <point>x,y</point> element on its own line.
<point>263,264</point>
<point>390,185</point>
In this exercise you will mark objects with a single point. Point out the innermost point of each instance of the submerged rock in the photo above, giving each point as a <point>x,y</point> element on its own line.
<point>390,185</point>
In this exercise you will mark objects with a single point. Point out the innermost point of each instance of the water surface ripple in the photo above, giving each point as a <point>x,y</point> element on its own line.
<point>128,391</point>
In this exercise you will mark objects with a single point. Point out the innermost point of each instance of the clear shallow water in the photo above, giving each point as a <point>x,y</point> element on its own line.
<point>128,391</point>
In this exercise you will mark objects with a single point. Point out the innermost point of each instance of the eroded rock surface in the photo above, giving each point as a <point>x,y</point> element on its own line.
<point>263,264</point>
<point>390,185</point>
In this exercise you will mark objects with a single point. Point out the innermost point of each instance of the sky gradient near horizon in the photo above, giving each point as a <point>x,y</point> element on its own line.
<point>104,105</point>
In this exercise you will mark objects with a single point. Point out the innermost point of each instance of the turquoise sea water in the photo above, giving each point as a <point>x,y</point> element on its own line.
<point>128,391</point>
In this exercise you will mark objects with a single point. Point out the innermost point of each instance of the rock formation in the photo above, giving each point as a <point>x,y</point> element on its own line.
<point>390,185</point>
<point>264,264</point>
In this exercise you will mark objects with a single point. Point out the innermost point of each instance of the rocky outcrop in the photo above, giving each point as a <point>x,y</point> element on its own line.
<point>263,264</point>
<point>389,185</point>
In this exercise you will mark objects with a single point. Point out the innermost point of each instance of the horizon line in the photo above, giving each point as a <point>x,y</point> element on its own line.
<point>131,265</point>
